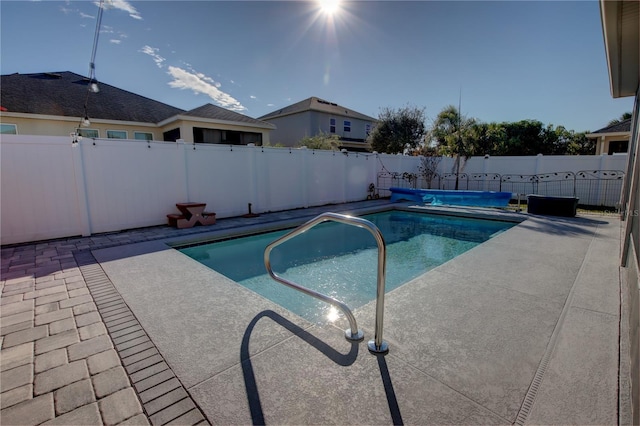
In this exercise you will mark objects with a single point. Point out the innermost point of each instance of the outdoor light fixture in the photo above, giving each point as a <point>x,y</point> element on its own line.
<point>92,83</point>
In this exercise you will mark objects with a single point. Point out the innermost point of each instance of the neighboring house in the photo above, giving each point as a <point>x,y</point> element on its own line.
<point>313,116</point>
<point>613,138</point>
<point>54,104</point>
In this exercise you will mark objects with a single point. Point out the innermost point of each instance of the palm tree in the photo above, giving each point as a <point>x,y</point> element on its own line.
<point>451,131</point>
<point>625,116</point>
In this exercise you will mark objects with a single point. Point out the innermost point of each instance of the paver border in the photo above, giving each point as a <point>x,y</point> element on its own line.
<point>164,399</point>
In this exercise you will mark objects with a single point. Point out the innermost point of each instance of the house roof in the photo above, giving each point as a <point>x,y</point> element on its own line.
<point>619,127</point>
<point>316,104</point>
<point>65,94</point>
<point>214,112</point>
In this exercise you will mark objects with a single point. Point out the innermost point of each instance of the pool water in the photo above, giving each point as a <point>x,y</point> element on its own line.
<point>341,260</point>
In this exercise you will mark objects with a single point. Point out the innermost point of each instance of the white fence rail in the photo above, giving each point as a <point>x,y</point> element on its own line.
<point>52,189</point>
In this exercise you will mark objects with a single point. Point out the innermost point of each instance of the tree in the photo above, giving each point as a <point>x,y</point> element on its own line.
<point>624,116</point>
<point>424,149</point>
<point>322,140</point>
<point>579,144</point>
<point>459,136</point>
<point>429,166</point>
<point>487,137</point>
<point>524,137</point>
<point>398,130</point>
<point>452,132</point>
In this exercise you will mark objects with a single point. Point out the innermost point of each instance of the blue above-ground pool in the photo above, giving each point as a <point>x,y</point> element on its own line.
<point>457,198</point>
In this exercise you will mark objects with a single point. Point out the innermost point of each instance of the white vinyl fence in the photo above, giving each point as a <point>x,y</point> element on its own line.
<point>595,180</point>
<point>51,188</point>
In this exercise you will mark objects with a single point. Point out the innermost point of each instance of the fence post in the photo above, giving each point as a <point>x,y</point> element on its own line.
<point>373,171</point>
<point>81,188</point>
<point>253,178</point>
<point>538,171</point>
<point>345,173</point>
<point>599,198</point>
<point>307,181</point>
<point>182,148</point>
<point>539,164</point>
<point>485,171</point>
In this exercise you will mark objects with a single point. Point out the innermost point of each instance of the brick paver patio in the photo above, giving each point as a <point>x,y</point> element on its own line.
<point>59,365</point>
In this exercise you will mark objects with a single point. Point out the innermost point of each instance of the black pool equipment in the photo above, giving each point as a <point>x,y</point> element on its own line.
<point>552,206</point>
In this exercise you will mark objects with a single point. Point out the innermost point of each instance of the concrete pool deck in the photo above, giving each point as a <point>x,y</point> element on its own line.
<point>522,329</point>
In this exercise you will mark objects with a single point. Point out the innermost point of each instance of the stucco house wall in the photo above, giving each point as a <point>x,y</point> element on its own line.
<point>41,125</point>
<point>603,142</point>
<point>46,125</point>
<point>187,125</point>
<point>321,121</point>
<point>312,116</point>
<point>290,129</point>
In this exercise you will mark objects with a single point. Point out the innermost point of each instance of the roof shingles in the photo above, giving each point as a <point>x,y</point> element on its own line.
<point>619,127</point>
<point>316,104</point>
<point>65,93</point>
<point>218,113</point>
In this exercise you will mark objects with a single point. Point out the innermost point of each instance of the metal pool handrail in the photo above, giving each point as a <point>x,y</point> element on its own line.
<point>377,345</point>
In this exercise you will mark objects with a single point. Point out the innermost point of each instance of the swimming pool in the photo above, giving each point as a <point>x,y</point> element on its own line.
<point>341,261</point>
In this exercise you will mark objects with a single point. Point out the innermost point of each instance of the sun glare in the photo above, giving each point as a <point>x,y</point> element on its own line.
<point>333,314</point>
<point>330,7</point>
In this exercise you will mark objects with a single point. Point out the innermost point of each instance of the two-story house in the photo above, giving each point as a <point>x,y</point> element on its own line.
<point>313,116</point>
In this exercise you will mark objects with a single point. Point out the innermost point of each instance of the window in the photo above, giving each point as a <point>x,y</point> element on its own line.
<point>618,146</point>
<point>88,133</point>
<point>116,134</point>
<point>347,126</point>
<point>172,135</point>
<point>202,135</point>
<point>251,137</point>
<point>332,125</point>
<point>229,137</point>
<point>143,136</point>
<point>367,129</point>
<point>8,129</point>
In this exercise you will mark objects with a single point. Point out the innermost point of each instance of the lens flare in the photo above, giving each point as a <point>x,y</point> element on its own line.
<point>330,7</point>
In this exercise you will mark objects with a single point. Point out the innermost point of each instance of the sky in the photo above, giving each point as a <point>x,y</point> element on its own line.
<point>499,60</point>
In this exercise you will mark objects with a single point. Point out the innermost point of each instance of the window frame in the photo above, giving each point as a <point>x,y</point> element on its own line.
<point>136,133</point>
<point>79,132</point>
<point>126,134</point>
<point>332,125</point>
<point>15,129</point>
<point>346,125</point>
